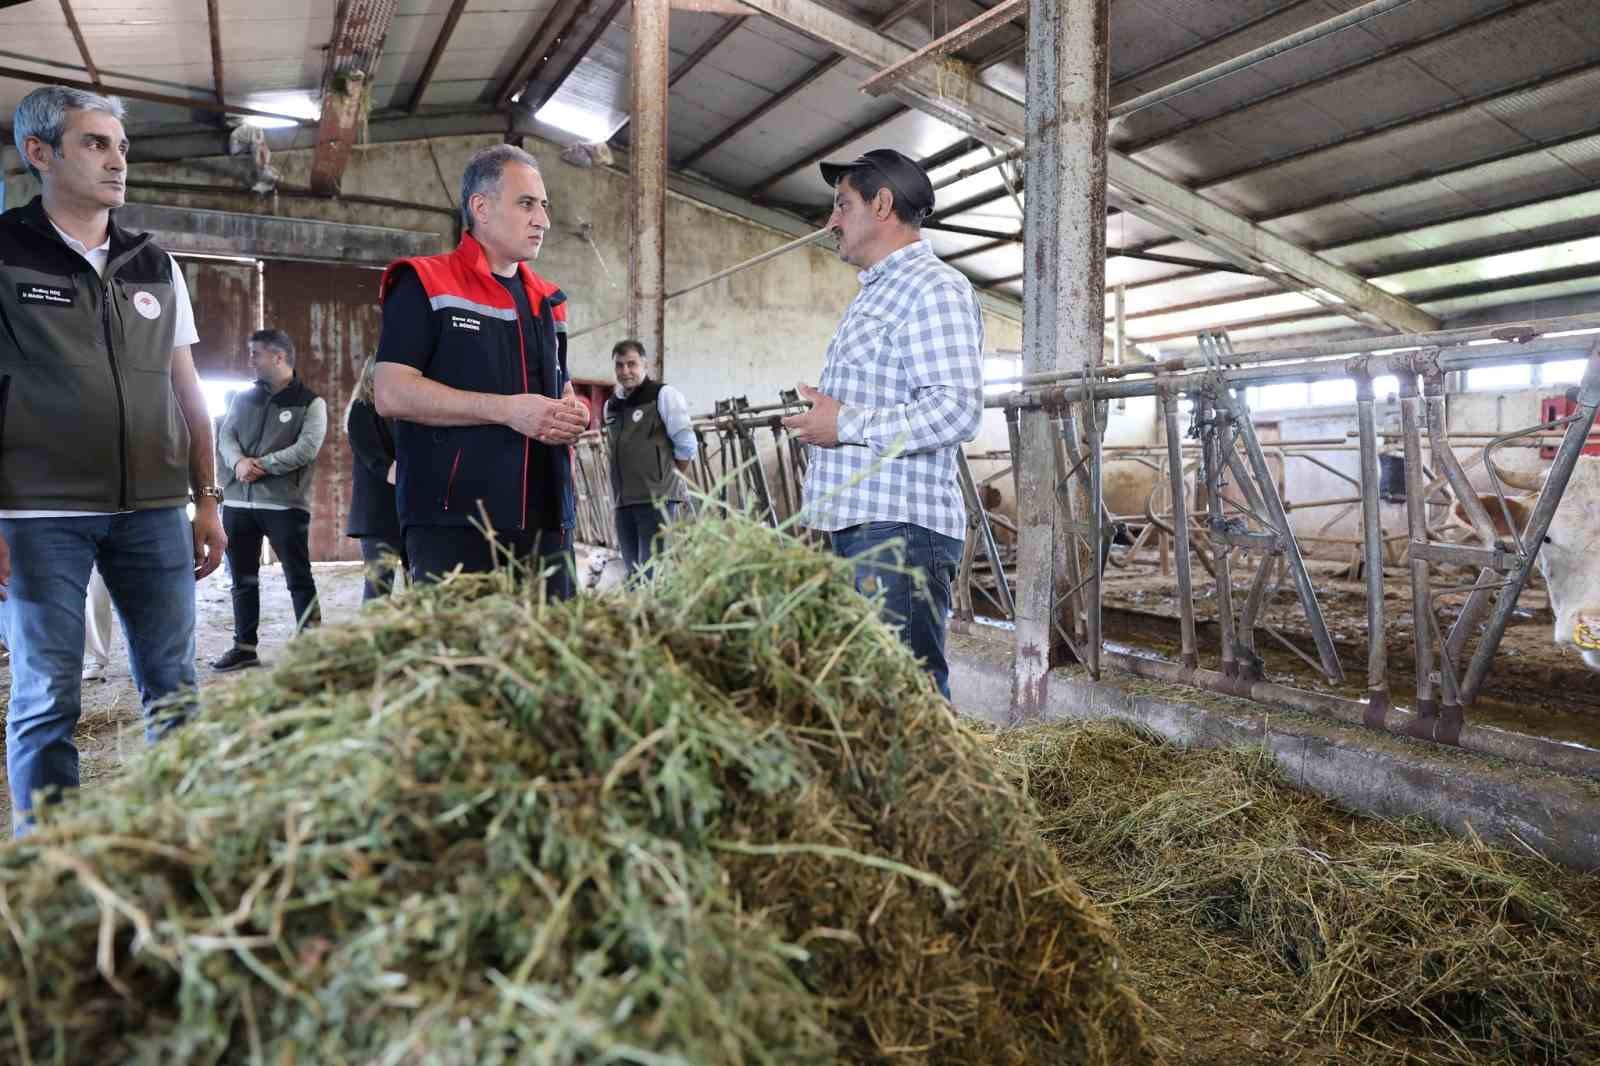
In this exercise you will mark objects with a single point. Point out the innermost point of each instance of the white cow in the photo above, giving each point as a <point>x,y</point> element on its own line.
<point>1570,556</point>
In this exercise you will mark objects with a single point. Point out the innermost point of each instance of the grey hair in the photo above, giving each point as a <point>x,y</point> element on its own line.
<point>483,174</point>
<point>43,114</point>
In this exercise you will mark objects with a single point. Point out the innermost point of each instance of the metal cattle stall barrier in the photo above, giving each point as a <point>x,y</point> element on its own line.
<point>1451,664</point>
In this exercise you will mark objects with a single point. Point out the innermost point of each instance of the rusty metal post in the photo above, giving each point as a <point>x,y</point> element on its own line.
<point>647,181</point>
<point>1421,600</point>
<point>1064,233</point>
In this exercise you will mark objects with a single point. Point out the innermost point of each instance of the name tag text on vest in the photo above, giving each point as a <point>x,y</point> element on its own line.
<point>48,295</point>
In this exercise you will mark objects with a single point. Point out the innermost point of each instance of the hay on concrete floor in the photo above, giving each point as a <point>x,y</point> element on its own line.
<point>726,822</point>
<point>1375,930</point>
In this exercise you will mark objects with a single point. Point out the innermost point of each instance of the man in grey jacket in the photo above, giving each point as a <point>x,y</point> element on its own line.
<point>269,440</point>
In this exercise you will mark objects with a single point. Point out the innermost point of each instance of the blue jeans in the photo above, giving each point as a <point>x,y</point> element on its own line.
<point>914,568</point>
<point>147,561</point>
<point>637,527</point>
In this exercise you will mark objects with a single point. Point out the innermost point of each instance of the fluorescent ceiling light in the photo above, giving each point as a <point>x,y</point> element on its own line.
<point>292,104</point>
<point>589,125</point>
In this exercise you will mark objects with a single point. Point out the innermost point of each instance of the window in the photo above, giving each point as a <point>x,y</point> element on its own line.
<point>1516,376</point>
<point>1566,372</point>
<point>999,368</point>
<point>1276,397</point>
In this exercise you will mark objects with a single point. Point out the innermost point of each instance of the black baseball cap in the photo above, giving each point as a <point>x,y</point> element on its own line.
<point>908,180</point>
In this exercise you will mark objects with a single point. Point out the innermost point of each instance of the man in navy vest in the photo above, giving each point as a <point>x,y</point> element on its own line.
<point>472,365</point>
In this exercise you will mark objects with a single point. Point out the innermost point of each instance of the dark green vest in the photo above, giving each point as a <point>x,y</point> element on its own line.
<point>641,452</point>
<point>88,419</point>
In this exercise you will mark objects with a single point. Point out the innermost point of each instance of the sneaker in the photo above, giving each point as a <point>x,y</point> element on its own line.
<point>236,659</point>
<point>94,670</point>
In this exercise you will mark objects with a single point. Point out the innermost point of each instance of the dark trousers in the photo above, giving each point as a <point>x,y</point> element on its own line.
<point>637,527</point>
<point>381,556</point>
<point>913,567</point>
<point>289,533</point>
<point>434,551</point>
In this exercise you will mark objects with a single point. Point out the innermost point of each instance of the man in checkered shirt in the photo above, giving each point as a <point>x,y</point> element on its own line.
<point>901,390</point>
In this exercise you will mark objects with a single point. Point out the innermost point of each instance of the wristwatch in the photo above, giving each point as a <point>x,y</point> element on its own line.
<point>208,490</point>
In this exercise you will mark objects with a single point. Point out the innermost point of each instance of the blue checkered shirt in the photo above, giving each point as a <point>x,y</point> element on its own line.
<point>907,366</point>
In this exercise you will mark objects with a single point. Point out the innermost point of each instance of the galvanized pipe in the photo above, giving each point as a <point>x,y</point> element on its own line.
<point>1400,344</point>
<point>1211,463</point>
<point>1240,417</point>
<point>1353,17</point>
<point>1303,371</point>
<point>1421,604</point>
<point>1180,530</point>
<point>1372,557</point>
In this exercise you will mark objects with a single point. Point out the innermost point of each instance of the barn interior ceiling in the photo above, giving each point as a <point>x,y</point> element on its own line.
<point>1444,154</point>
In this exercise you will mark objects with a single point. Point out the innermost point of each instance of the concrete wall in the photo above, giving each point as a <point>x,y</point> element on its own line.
<point>750,334</point>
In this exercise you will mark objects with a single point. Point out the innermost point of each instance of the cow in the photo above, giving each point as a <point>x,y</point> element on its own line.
<point>1569,559</point>
<point>1125,489</point>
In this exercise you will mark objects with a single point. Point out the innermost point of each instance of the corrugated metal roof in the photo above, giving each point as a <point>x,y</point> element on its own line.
<point>1440,148</point>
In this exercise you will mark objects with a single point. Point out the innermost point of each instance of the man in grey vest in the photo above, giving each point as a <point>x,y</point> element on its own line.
<point>651,441</point>
<point>103,434</point>
<point>268,441</point>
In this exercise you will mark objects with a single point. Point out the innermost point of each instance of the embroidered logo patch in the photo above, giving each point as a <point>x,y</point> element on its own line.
<point>147,305</point>
<point>47,295</point>
<point>470,323</point>
<point>284,416</point>
<point>638,413</point>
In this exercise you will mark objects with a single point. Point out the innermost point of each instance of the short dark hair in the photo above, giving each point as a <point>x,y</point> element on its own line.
<point>627,345</point>
<point>484,171</point>
<point>275,338</point>
<point>869,181</point>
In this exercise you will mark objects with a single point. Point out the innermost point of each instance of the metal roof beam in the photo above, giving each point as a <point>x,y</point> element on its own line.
<point>214,25</point>
<point>585,46</point>
<point>954,41</point>
<point>83,45</point>
<point>1510,9</point>
<point>346,85</point>
<point>783,95</point>
<point>1470,103</point>
<point>694,59</point>
<point>561,20</point>
<point>189,102</point>
<point>1272,49</point>
<point>1432,174</point>
<point>816,156</point>
<point>440,43</point>
<point>999,119</point>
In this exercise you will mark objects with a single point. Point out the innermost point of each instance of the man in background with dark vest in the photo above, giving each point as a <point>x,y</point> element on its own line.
<point>472,366</point>
<point>269,440</point>
<point>103,434</point>
<point>651,441</point>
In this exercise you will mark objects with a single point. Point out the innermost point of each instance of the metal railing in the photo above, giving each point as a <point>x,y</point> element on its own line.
<point>1247,516</point>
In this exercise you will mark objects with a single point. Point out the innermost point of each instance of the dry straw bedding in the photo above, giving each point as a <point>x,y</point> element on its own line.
<point>725,822</point>
<point>1372,935</point>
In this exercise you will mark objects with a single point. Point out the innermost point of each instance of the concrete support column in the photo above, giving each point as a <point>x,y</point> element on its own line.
<point>1063,325</point>
<point>647,180</point>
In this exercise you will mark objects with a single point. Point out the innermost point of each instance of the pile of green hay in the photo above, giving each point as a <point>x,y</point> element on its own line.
<point>1370,930</point>
<point>726,821</point>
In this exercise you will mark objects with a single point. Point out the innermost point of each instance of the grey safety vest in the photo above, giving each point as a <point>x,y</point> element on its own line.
<point>642,470</point>
<point>88,418</point>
